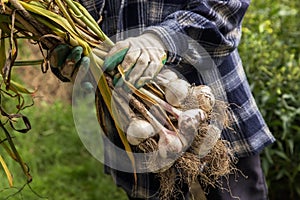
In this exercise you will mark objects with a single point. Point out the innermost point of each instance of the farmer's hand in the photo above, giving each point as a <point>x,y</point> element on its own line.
<point>66,62</point>
<point>141,58</point>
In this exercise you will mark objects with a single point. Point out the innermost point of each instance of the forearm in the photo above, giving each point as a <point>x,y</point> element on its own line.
<point>215,25</point>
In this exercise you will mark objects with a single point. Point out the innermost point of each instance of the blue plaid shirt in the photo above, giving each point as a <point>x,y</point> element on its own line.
<point>216,26</point>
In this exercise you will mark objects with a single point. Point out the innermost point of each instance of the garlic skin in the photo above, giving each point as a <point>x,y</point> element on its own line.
<point>169,142</point>
<point>138,131</point>
<point>204,96</point>
<point>189,123</point>
<point>212,136</point>
<point>176,92</point>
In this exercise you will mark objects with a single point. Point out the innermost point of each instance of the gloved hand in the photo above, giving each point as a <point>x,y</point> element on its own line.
<point>66,62</point>
<point>141,58</point>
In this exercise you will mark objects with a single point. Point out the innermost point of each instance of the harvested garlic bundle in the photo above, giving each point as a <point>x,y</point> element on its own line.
<point>208,142</point>
<point>204,96</point>
<point>176,92</point>
<point>138,131</point>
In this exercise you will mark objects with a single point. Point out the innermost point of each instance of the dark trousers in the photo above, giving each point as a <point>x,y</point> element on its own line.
<point>248,185</point>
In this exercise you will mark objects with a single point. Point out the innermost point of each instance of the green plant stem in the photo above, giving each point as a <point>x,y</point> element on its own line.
<point>16,153</point>
<point>30,23</point>
<point>90,22</point>
<point>28,62</point>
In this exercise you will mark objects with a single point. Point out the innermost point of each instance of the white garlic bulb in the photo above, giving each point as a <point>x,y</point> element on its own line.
<point>176,92</point>
<point>189,122</point>
<point>138,131</point>
<point>204,96</point>
<point>209,141</point>
<point>169,142</point>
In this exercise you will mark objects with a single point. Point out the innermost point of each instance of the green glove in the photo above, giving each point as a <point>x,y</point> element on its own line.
<point>66,62</point>
<point>141,58</point>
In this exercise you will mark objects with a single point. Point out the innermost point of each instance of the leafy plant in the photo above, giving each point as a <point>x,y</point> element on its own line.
<point>60,165</point>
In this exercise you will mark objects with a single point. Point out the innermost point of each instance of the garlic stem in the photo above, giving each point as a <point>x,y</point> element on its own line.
<point>162,103</point>
<point>142,109</point>
<point>159,113</point>
<point>126,112</point>
<point>99,52</point>
<point>158,126</point>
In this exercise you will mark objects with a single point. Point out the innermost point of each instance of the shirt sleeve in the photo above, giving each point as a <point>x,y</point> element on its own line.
<point>214,25</point>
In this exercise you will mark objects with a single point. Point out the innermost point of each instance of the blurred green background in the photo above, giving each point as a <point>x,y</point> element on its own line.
<point>270,49</point>
<point>59,163</point>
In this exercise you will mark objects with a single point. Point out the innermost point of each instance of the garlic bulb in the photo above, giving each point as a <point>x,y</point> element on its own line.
<point>169,143</point>
<point>138,131</point>
<point>176,92</point>
<point>204,96</point>
<point>189,122</point>
<point>209,141</point>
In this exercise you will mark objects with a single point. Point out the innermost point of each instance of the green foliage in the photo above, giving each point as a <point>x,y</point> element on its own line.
<point>60,165</point>
<point>270,52</point>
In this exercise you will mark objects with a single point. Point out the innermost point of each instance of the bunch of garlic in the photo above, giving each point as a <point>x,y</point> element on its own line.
<point>188,119</point>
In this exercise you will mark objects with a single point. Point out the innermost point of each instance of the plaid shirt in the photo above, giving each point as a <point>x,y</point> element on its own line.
<point>216,26</point>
